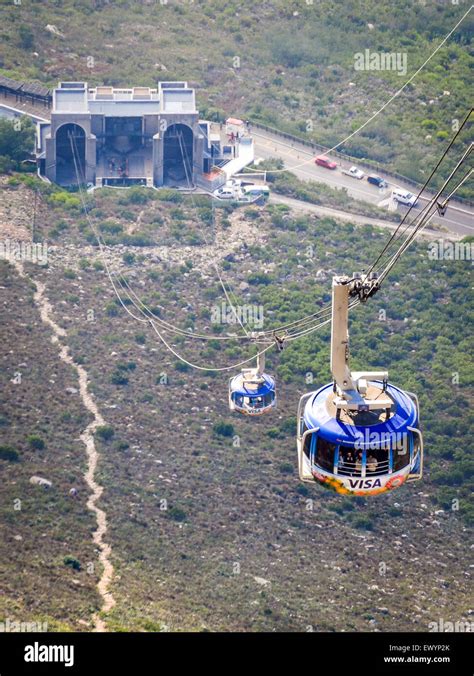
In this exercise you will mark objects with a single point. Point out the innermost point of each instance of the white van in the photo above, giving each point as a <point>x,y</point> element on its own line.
<point>256,190</point>
<point>404,197</point>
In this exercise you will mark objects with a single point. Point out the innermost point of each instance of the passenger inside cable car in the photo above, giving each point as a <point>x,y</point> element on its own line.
<point>350,461</point>
<point>250,402</point>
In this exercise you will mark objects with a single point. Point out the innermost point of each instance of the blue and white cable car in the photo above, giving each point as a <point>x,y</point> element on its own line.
<point>252,392</point>
<point>358,435</point>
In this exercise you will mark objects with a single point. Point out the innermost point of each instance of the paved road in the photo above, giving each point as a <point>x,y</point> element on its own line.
<point>457,219</point>
<point>298,205</point>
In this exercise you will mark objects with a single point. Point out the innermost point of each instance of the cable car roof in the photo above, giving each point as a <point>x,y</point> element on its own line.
<point>318,415</point>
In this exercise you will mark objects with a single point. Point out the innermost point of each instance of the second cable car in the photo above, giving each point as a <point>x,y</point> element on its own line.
<point>252,392</point>
<point>358,435</point>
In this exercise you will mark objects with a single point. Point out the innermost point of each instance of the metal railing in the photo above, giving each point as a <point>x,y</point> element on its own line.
<point>365,163</point>
<point>355,468</point>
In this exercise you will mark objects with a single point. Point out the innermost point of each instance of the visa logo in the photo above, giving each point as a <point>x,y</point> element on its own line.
<point>365,483</point>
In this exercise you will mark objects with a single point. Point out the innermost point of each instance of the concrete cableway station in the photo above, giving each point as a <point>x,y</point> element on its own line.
<point>137,136</point>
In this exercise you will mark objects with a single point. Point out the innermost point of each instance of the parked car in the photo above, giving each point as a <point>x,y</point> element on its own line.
<point>404,197</point>
<point>324,161</point>
<point>377,180</point>
<point>226,193</point>
<point>354,172</point>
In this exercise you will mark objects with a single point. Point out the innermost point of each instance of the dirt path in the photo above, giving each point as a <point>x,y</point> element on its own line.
<point>131,227</point>
<point>87,437</point>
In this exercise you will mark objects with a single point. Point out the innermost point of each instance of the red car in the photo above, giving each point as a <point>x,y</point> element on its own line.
<point>324,161</point>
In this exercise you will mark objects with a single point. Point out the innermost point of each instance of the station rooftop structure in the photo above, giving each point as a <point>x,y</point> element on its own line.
<point>128,136</point>
<point>31,91</point>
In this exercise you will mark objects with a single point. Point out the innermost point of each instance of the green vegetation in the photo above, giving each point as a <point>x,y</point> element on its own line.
<point>71,202</point>
<point>105,432</point>
<point>16,143</point>
<point>137,195</point>
<point>177,514</point>
<point>118,378</point>
<point>259,278</point>
<point>26,39</point>
<point>112,309</point>
<point>363,522</point>
<point>128,258</point>
<point>72,562</point>
<point>8,453</point>
<point>223,429</point>
<point>36,442</point>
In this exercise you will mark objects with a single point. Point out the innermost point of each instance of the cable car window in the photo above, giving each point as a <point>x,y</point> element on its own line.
<point>269,398</point>
<point>325,454</point>
<point>238,399</point>
<point>307,442</point>
<point>377,461</point>
<point>401,454</point>
<point>416,445</point>
<point>347,461</point>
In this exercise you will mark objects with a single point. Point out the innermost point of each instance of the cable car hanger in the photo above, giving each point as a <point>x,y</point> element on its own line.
<point>252,392</point>
<point>358,434</point>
